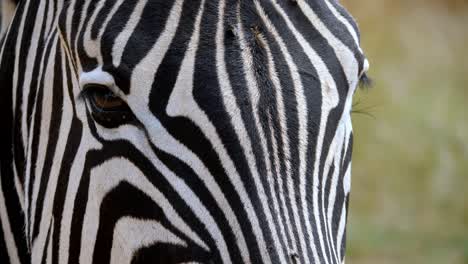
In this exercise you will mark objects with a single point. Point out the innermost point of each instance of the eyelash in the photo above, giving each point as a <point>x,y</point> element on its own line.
<point>365,81</point>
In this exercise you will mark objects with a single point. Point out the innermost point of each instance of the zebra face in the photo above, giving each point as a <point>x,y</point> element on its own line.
<point>211,131</point>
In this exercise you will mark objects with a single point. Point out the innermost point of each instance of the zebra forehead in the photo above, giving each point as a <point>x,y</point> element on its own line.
<point>118,35</point>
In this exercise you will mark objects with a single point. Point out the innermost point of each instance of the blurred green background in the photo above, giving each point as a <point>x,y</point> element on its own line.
<point>410,163</point>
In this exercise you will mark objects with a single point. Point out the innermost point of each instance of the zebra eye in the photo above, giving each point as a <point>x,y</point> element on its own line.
<point>108,109</point>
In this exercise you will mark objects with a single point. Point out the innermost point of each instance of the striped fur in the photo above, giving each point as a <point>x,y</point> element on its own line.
<point>239,149</point>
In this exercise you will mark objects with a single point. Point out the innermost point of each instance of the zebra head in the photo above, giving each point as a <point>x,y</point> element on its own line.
<point>206,131</point>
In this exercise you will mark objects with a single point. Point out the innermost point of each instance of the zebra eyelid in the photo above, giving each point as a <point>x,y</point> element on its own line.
<point>87,89</point>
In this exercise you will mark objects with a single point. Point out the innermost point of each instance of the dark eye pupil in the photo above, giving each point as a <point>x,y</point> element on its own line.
<point>107,100</point>
<point>106,108</point>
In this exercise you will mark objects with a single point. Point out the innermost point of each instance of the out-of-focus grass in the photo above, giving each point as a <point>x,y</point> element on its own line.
<point>409,202</point>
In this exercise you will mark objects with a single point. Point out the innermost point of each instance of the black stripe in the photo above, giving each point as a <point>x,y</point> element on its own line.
<point>12,202</point>
<point>57,103</point>
<point>36,88</point>
<point>139,44</point>
<point>45,252</point>
<point>117,204</point>
<point>73,142</point>
<point>4,256</point>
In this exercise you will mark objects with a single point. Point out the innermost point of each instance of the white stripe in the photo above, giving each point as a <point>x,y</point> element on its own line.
<point>286,150</point>
<point>344,54</point>
<point>31,55</point>
<point>159,136</point>
<point>229,101</point>
<point>46,213</point>
<point>47,101</point>
<point>106,177</point>
<point>46,115</point>
<point>7,233</point>
<point>131,234</point>
<point>124,36</point>
<point>49,249</point>
<point>302,117</point>
<point>139,140</point>
<point>50,22</point>
<point>182,103</point>
<point>83,16</point>
<point>16,64</point>
<point>254,94</point>
<point>345,23</point>
<point>342,224</point>
<point>88,142</point>
<point>329,101</point>
<point>91,46</point>
<point>19,187</point>
<point>333,158</point>
<point>68,22</point>
<point>15,77</point>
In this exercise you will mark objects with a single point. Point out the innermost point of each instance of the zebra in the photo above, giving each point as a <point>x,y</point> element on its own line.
<point>183,131</point>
